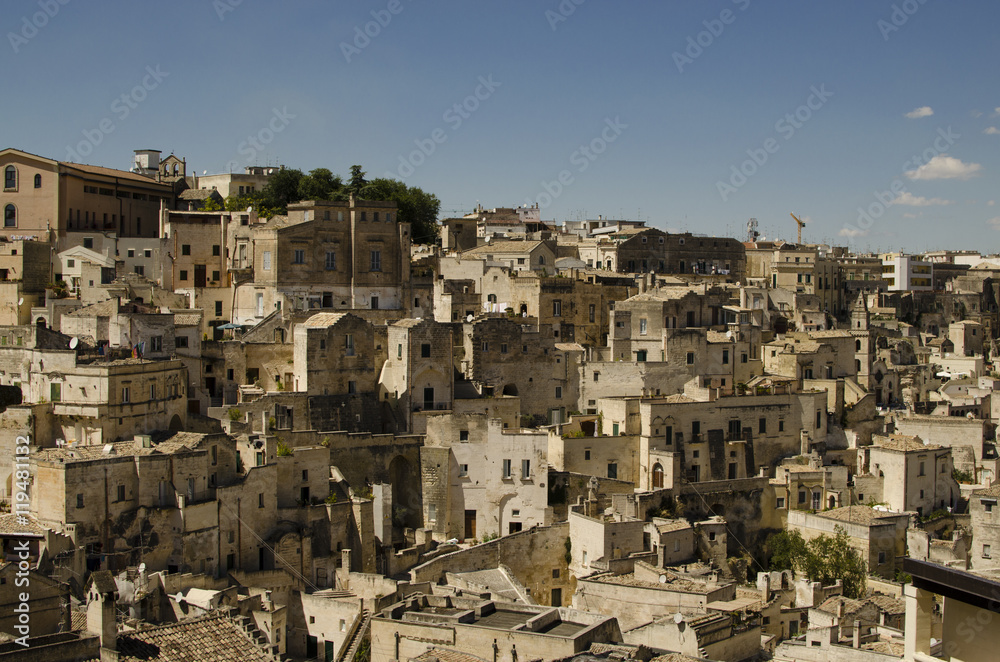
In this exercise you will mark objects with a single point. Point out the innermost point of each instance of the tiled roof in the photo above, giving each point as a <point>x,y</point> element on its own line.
<point>324,319</point>
<point>196,194</point>
<point>503,247</point>
<point>992,491</point>
<point>10,526</point>
<point>187,319</point>
<point>179,441</point>
<point>864,515</point>
<point>214,638</point>
<point>887,604</point>
<point>111,172</point>
<point>901,442</point>
<point>831,605</point>
<point>445,655</point>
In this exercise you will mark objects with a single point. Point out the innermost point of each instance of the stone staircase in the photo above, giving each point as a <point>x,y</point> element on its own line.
<point>360,631</point>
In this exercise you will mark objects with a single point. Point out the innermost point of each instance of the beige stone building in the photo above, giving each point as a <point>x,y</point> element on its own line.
<point>419,373</point>
<point>878,535</point>
<point>25,272</point>
<point>917,477</point>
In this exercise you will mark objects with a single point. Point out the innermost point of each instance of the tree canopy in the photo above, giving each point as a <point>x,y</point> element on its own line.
<point>823,559</point>
<point>288,185</point>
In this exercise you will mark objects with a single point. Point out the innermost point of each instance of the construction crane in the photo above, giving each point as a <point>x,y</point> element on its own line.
<point>801,224</point>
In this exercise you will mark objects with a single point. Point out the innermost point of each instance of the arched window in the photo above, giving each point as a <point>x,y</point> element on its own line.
<point>10,177</point>
<point>38,181</point>
<point>857,345</point>
<point>10,216</point>
<point>657,476</point>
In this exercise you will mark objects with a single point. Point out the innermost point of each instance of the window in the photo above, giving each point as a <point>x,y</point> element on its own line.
<point>218,308</point>
<point>322,343</point>
<point>300,256</point>
<point>525,469</point>
<point>819,419</point>
<point>79,501</point>
<point>586,454</point>
<point>425,350</point>
<point>331,260</point>
<point>641,355</point>
<point>364,216</point>
<point>432,512</point>
<point>690,358</point>
<point>121,493</point>
<point>506,469</point>
<point>216,250</point>
<point>349,344</point>
<point>181,341</point>
<point>711,536</point>
<point>613,470</point>
<point>463,470</point>
<point>352,387</point>
<point>881,558</point>
<point>10,177</point>
<point>38,183</point>
<point>130,252</point>
<point>780,502</point>
<point>642,327</point>
<point>88,242</point>
<point>55,392</point>
<point>10,216</point>
<point>596,375</point>
<point>921,471</point>
<point>725,356</point>
<point>558,392</point>
<point>267,260</point>
<point>503,348</point>
<point>463,435</point>
<point>139,269</point>
<point>376,261</point>
<point>802,496</point>
<point>743,357</point>
<point>592,313</point>
<point>781,425</point>
<point>185,249</point>
<point>557,308</point>
<point>184,274</point>
<point>152,391</point>
<point>156,344</point>
<point>125,395</point>
<point>260,500</point>
<point>486,346</point>
<point>986,552</point>
<point>215,277</point>
<point>762,426</point>
<point>987,506</point>
<point>145,253</point>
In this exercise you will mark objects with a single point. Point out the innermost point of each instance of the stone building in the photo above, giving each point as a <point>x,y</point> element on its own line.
<point>25,271</point>
<point>419,373</point>
<point>484,480</point>
<point>342,255</point>
<point>916,477</point>
<point>334,353</point>
<point>879,536</point>
<point>985,516</point>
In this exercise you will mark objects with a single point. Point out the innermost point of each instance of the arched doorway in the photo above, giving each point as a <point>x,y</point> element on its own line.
<point>657,476</point>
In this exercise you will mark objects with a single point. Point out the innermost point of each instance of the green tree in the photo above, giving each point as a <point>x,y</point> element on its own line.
<point>211,204</point>
<point>415,206</point>
<point>282,188</point>
<point>358,181</point>
<point>823,559</point>
<point>320,184</point>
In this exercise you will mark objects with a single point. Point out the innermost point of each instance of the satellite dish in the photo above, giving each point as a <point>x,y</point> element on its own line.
<point>468,318</point>
<point>20,301</point>
<point>678,618</point>
<point>74,342</point>
<point>142,568</point>
<point>204,172</point>
<point>249,209</point>
<point>663,579</point>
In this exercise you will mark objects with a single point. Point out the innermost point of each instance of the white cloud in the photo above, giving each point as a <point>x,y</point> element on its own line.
<point>996,112</point>
<point>852,232</point>
<point>910,200</point>
<point>923,111</point>
<point>943,166</point>
<point>995,222</point>
<point>976,113</point>
<point>991,203</point>
<point>991,131</point>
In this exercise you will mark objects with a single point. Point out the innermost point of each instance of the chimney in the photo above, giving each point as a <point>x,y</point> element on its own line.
<point>857,634</point>
<point>764,584</point>
<point>101,599</point>
<point>840,609</point>
<point>804,443</point>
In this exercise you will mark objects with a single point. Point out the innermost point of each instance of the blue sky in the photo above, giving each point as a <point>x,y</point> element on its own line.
<point>690,114</point>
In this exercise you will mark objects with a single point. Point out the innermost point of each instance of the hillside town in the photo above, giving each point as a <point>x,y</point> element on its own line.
<point>737,448</point>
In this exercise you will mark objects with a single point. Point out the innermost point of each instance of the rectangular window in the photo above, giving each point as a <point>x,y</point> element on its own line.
<point>503,348</point>
<point>215,277</point>
<point>463,470</point>
<point>425,350</point>
<point>690,358</point>
<point>352,388</point>
<point>463,435</point>
<point>557,308</point>
<point>139,269</point>
<point>184,274</point>
<point>181,341</point>
<point>349,344</point>
<point>152,391</point>
<point>125,395</point>
<point>592,312</point>
<point>376,261</point>
<point>331,260</point>
<point>185,249</point>
<point>300,256</point>
<point>725,356</point>
<point>79,501</point>
<point>260,500</point>
<point>586,454</point>
<point>506,469</point>
<point>762,426</point>
<point>613,470</point>
<point>130,252</point>
<point>267,260</point>
<point>987,552</point>
<point>642,327</point>
<point>525,469</point>
<point>218,308</point>
<point>55,392</point>
<point>156,344</point>
<point>121,493</point>
<point>432,512</point>
<point>146,253</point>
<point>780,502</point>
<point>558,392</point>
<point>216,250</point>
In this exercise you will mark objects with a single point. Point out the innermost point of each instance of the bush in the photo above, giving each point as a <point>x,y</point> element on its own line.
<point>963,477</point>
<point>824,559</point>
<point>235,414</point>
<point>332,498</point>
<point>284,450</point>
